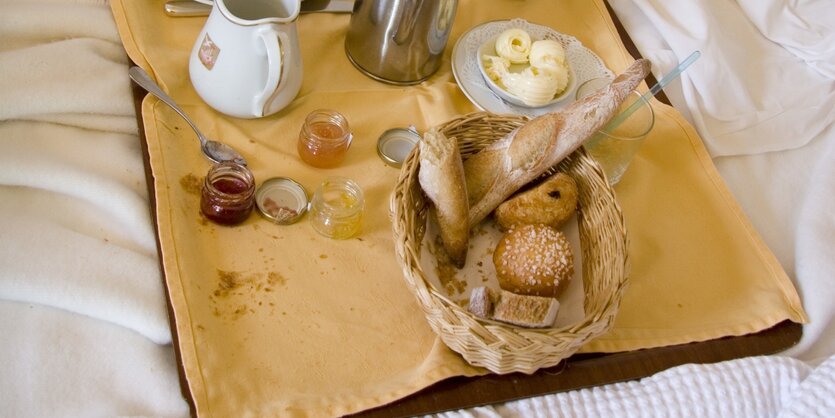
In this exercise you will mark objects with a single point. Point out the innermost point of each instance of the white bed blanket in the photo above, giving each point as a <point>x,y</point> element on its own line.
<point>85,328</point>
<point>754,387</point>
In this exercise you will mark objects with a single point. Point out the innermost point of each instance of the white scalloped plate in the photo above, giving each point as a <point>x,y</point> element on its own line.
<point>584,63</point>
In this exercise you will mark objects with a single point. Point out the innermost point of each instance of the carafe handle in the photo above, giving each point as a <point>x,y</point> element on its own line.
<point>274,45</point>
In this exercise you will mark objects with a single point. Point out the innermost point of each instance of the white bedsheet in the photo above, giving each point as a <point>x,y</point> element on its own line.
<point>756,61</point>
<point>84,324</point>
<point>747,94</point>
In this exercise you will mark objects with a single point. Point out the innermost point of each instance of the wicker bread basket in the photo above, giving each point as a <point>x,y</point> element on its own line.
<point>503,348</point>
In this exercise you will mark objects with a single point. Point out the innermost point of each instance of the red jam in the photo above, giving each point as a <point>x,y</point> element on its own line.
<point>324,139</point>
<point>230,185</point>
<point>228,193</point>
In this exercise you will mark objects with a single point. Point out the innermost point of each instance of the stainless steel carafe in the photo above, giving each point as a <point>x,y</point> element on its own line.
<point>399,41</point>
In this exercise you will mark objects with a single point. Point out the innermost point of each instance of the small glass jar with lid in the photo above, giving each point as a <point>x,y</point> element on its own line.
<point>227,197</point>
<point>336,208</point>
<point>324,138</point>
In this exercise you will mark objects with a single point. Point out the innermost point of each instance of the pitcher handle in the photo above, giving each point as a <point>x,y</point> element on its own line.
<point>274,45</point>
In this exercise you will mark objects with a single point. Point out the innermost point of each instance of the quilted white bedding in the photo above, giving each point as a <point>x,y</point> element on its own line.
<point>84,324</point>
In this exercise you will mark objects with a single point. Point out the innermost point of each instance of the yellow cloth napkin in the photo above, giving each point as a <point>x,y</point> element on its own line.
<point>277,320</point>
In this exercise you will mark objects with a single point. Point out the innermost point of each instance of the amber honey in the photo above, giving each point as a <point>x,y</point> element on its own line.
<point>324,139</point>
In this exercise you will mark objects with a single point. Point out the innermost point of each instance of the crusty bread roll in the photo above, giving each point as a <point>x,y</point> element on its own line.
<point>522,310</point>
<point>551,202</point>
<point>502,168</point>
<point>533,260</point>
<point>441,176</point>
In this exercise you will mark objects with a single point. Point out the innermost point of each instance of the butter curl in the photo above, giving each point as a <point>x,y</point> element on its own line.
<point>514,45</point>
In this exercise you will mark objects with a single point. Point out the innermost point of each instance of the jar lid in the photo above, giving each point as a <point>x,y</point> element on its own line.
<point>281,200</point>
<point>395,145</point>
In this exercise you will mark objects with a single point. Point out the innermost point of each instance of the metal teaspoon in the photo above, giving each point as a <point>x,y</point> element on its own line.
<point>213,150</point>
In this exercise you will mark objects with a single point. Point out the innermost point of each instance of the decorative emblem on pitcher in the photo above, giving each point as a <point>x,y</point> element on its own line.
<point>208,52</point>
<point>259,71</point>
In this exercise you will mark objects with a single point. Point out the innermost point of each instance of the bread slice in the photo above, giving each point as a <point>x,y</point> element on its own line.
<point>526,311</point>
<point>441,176</point>
<point>502,305</point>
<point>502,168</point>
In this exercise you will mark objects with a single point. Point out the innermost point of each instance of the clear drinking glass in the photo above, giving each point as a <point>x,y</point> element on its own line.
<point>615,149</point>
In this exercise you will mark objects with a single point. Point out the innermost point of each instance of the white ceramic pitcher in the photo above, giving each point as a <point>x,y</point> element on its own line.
<point>246,60</point>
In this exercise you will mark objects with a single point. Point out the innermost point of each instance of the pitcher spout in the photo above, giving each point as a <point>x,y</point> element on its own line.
<point>259,12</point>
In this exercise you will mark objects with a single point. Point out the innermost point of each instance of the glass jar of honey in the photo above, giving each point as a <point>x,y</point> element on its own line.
<point>228,193</point>
<point>324,138</point>
<point>336,208</point>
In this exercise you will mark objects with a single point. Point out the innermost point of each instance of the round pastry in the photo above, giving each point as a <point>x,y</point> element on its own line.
<point>533,260</point>
<point>551,202</point>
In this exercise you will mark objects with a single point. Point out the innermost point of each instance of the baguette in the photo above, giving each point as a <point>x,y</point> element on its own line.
<point>502,168</point>
<point>441,176</point>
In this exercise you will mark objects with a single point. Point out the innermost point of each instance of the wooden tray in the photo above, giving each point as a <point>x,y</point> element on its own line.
<point>578,371</point>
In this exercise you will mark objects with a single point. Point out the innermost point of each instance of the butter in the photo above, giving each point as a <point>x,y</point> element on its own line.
<point>545,75</point>
<point>514,45</point>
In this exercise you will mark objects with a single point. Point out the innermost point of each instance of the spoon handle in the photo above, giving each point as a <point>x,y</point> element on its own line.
<point>142,78</point>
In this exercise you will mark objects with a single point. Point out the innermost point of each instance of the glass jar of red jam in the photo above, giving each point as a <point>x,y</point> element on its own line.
<point>324,138</point>
<point>228,193</point>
